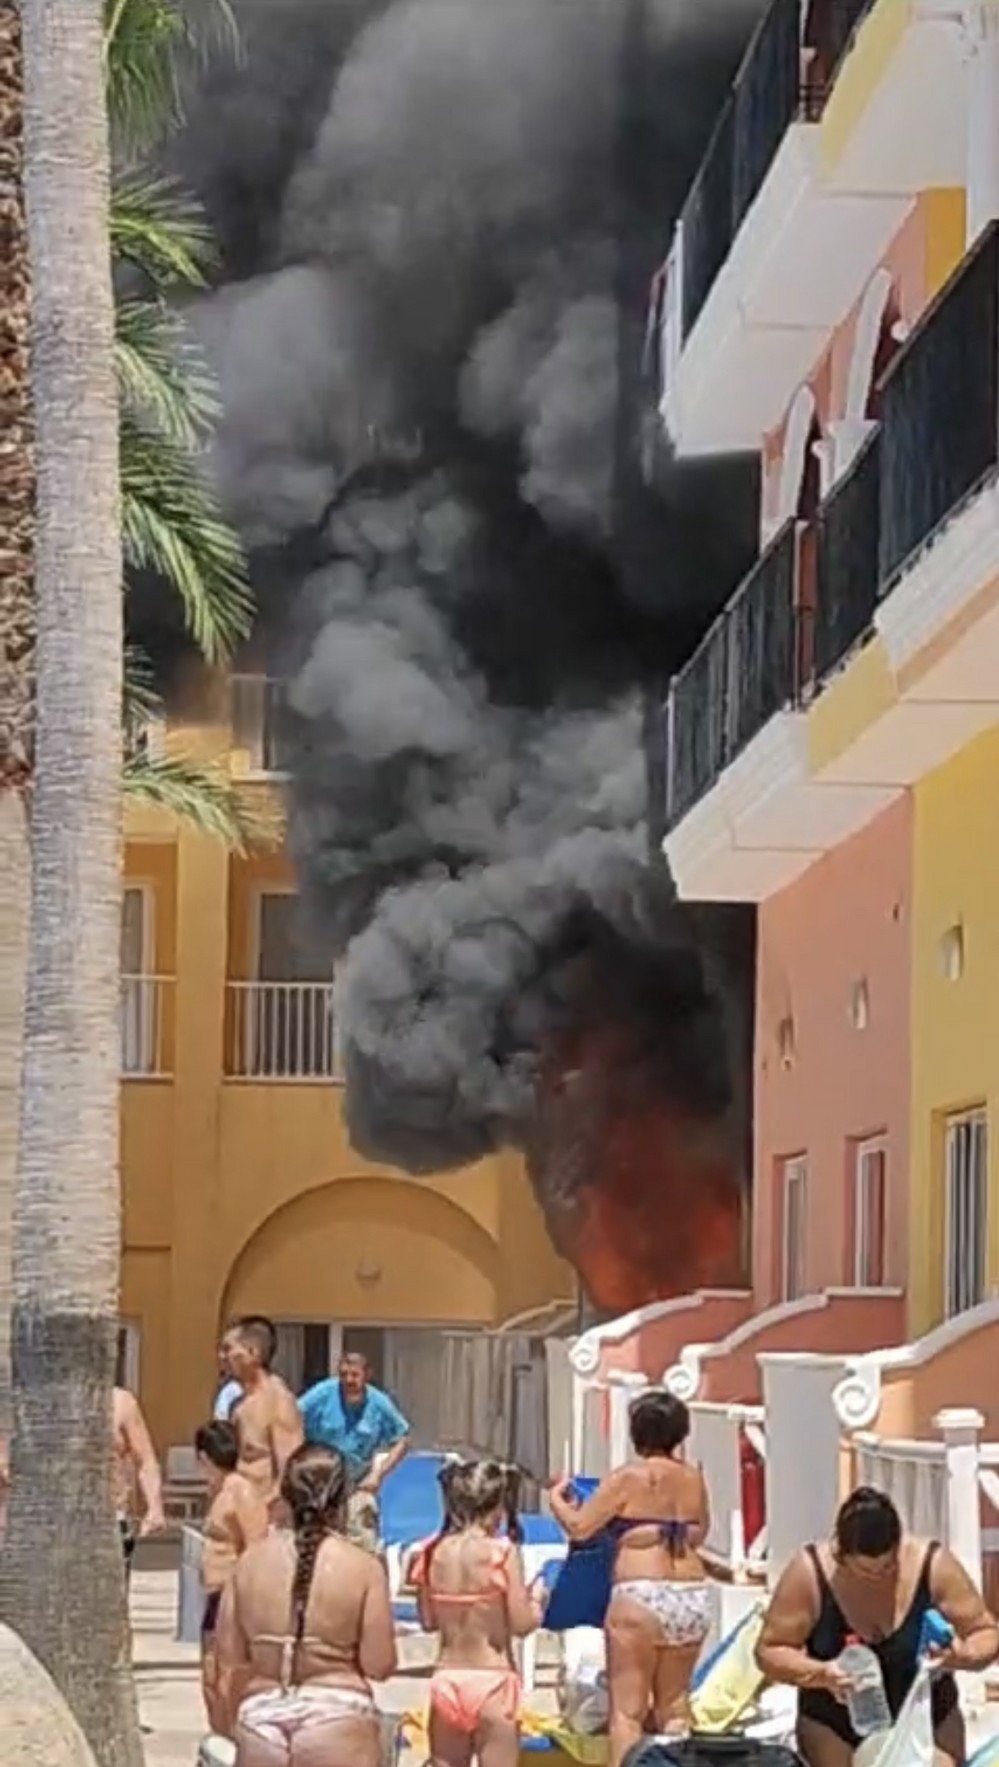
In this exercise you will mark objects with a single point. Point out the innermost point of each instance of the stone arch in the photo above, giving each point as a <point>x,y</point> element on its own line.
<point>385,1249</point>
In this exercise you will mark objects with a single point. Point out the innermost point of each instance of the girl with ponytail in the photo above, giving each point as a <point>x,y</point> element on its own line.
<point>305,1627</point>
<point>470,1584</point>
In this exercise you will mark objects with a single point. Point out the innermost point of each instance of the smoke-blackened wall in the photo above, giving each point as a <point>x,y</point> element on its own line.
<point>477,562</point>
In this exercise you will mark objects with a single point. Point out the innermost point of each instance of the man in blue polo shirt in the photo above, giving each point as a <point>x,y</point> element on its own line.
<point>361,1421</point>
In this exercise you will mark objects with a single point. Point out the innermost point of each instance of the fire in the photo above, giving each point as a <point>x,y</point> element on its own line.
<point>643,1197</point>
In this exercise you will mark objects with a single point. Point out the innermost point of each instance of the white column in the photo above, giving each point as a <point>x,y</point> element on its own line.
<point>960,1430</point>
<point>981,36</point>
<point>624,1385</point>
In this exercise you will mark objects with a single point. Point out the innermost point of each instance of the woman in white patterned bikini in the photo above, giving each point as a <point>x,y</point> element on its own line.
<point>656,1509</point>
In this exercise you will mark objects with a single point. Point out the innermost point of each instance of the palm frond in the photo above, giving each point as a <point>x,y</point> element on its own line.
<point>145,43</point>
<point>164,385</point>
<point>171,524</point>
<point>160,230</point>
<point>201,796</point>
<point>140,701</point>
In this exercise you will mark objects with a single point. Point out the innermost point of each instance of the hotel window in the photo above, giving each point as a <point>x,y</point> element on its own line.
<point>966,1158</point>
<point>794,1181</point>
<point>870,1203</point>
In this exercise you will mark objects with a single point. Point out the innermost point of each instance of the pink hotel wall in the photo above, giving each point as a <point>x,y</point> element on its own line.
<point>845,921</point>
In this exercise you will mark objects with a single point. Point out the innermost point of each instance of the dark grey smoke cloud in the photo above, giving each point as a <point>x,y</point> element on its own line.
<point>438,220</point>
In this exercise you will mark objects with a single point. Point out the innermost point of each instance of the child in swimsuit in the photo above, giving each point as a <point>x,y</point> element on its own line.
<point>470,1587</point>
<point>237,1516</point>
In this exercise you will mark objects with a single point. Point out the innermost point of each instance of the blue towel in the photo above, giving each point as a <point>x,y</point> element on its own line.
<point>581,1583</point>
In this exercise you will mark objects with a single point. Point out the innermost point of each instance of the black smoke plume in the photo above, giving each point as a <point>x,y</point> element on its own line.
<point>439,221</point>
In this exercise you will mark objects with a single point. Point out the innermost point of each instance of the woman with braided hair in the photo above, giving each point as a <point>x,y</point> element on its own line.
<point>304,1628</point>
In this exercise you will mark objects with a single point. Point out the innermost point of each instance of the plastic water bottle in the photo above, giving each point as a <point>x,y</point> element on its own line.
<point>865,1696</point>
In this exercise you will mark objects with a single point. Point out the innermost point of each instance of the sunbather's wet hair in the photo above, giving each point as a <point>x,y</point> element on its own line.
<point>659,1423</point>
<point>314,1486</point>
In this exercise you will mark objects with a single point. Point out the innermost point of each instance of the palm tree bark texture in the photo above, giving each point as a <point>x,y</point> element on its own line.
<point>17,635</point>
<point>61,1574</point>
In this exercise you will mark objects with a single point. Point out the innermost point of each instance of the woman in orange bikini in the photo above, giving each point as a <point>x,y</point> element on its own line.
<point>656,1510</point>
<point>471,1591</point>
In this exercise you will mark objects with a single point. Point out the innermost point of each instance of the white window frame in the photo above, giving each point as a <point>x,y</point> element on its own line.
<point>876,1146</point>
<point>139,1040</point>
<point>132,1358</point>
<point>258,892</point>
<point>966,1210</point>
<point>793,1258</point>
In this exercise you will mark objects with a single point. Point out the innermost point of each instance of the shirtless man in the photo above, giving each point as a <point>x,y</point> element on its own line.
<point>237,1515</point>
<point>267,1419</point>
<point>135,1462</point>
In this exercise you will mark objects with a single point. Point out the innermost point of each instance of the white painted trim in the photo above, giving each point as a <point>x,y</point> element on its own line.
<point>585,1353</point>
<point>949,570</point>
<point>800,420</point>
<point>866,337</point>
<point>146,889</point>
<point>685,1376</point>
<point>794,1257</point>
<point>861,1151</point>
<point>857,1398</point>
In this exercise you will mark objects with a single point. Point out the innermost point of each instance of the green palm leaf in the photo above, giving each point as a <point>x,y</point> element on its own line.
<point>145,43</point>
<point>171,525</point>
<point>163,383</point>
<point>158,229</point>
<point>203,797</point>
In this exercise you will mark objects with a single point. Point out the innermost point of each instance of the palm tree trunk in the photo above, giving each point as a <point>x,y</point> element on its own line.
<point>61,1579</point>
<point>17,632</point>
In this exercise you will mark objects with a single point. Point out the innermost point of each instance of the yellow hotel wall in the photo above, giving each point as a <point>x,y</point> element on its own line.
<point>249,1195</point>
<point>955,1024</point>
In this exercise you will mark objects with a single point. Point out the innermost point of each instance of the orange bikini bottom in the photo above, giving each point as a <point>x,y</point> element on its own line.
<point>460,1696</point>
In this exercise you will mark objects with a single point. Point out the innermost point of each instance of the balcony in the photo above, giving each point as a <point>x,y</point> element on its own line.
<point>848,561</point>
<point>907,563</point>
<point>146,1020</point>
<point>778,237</point>
<point>281,1031</point>
<point>745,671</point>
<point>258,708</point>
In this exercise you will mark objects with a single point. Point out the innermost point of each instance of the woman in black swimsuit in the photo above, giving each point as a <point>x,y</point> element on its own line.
<point>876,1583</point>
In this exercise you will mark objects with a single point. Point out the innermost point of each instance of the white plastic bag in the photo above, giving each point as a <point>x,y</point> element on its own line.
<point>909,1742</point>
<point>583,1701</point>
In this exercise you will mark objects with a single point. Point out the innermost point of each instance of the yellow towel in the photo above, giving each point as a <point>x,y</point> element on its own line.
<point>732,1685</point>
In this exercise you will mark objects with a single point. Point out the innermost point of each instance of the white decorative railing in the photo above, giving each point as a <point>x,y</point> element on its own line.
<point>257,706</point>
<point>938,1486</point>
<point>144,1014</point>
<point>281,1031</point>
<point>716,1440</point>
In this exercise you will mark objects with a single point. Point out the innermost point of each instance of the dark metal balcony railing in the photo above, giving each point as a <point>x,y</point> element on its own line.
<point>940,410</point>
<point>784,76</point>
<point>743,672</point>
<point>847,588</point>
<point>761,107</point>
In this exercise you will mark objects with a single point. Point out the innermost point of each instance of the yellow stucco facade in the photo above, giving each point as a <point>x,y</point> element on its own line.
<point>955,1008</point>
<point>244,1194</point>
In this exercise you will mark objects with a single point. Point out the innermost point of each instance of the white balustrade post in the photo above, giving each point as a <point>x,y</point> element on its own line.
<point>960,1429</point>
<point>624,1385</point>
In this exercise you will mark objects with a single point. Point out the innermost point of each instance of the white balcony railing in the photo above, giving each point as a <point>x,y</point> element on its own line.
<point>281,1031</point>
<point>257,702</point>
<point>145,1012</point>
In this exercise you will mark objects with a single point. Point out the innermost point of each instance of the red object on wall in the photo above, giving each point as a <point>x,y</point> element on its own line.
<point>754,1491</point>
